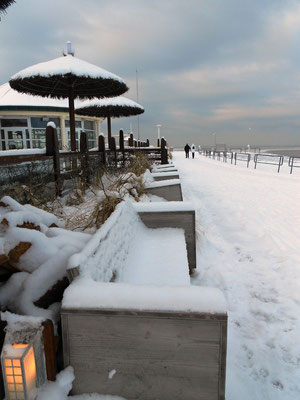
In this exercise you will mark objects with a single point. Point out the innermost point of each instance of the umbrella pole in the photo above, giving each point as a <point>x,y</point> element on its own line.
<point>109,131</point>
<point>72,119</point>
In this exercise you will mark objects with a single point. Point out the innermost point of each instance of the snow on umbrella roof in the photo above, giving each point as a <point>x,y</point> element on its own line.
<point>54,78</point>
<point>4,4</point>
<point>112,107</point>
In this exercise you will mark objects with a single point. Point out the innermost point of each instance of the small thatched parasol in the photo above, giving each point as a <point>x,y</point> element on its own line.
<point>68,77</point>
<point>115,107</point>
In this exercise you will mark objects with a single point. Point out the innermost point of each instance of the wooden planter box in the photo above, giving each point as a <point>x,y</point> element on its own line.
<point>156,355</point>
<point>169,189</point>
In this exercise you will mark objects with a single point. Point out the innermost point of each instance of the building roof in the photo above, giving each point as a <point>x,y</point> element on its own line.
<point>12,100</point>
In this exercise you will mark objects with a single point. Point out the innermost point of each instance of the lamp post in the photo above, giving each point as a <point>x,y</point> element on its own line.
<point>215,136</point>
<point>158,134</point>
<point>158,131</point>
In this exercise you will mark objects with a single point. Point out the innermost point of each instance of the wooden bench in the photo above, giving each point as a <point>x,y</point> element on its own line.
<point>165,175</point>
<point>175,214</point>
<point>169,190</point>
<point>132,324</point>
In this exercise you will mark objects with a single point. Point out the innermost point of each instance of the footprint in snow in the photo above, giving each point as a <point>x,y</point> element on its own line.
<point>243,257</point>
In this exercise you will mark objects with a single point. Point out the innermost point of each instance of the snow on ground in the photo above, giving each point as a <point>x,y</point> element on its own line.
<point>248,224</point>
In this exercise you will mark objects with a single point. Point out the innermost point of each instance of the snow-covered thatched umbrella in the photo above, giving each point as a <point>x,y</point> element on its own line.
<point>115,107</point>
<point>68,77</point>
<point>4,4</point>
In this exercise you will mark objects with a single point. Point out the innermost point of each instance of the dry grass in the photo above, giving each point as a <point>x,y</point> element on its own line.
<point>87,208</point>
<point>139,164</point>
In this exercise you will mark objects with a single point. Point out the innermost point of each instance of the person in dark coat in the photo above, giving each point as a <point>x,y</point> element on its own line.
<point>187,150</point>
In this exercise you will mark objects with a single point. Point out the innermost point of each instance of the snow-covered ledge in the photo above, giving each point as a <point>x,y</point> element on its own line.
<point>87,294</point>
<point>168,189</point>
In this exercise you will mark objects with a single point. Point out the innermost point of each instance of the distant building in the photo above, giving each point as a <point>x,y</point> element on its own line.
<point>23,121</point>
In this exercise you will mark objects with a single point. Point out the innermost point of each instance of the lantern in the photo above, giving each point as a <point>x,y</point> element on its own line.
<point>19,371</point>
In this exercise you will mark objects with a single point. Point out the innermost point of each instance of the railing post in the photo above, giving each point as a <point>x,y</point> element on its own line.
<point>53,150</point>
<point>135,143</point>
<point>158,143</point>
<point>121,140</point>
<point>114,149</point>
<point>101,148</point>
<point>131,140</point>
<point>84,156</point>
<point>164,152</point>
<point>147,143</point>
<point>121,144</point>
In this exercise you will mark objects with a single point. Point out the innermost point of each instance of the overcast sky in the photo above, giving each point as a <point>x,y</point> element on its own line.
<point>230,67</point>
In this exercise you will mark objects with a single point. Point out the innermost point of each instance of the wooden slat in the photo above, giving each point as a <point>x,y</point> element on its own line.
<point>49,349</point>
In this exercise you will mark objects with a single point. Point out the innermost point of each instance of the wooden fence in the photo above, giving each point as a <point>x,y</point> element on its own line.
<point>59,166</point>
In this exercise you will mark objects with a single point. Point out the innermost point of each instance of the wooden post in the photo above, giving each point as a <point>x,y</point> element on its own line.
<point>108,130</point>
<point>114,149</point>
<point>49,349</point>
<point>121,144</point>
<point>131,140</point>
<point>2,337</point>
<point>52,150</point>
<point>135,143</point>
<point>147,143</point>
<point>72,119</point>
<point>84,157</point>
<point>121,140</point>
<point>101,147</point>
<point>164,152</point>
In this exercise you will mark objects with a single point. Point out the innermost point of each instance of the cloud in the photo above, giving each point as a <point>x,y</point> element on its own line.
<point>206,66</point>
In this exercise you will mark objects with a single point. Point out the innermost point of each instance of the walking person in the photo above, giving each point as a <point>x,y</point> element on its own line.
<point>193,148</point>
<point>187,150</point>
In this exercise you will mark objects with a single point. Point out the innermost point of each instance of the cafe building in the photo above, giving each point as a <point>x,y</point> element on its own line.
<point>23,121</point>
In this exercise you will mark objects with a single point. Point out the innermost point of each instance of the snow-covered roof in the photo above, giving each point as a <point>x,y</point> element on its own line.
<point>11,98</point>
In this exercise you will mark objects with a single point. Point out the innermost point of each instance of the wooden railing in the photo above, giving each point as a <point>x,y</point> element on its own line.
<point>63,165</point>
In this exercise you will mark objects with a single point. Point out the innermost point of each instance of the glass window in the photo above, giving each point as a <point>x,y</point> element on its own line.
<point>38,122</point>
<point>2,142</point>
<point>9,122</point>
<point>77,124</point>
<point>38,136</point>
<point>15,139</point>
<point>89,125</point>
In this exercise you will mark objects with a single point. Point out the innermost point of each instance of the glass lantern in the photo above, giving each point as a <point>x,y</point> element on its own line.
<point>19,371</point>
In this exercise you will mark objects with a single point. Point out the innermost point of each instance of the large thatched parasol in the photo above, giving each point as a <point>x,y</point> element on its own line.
<point>4,4</point>
<point>68,77</point>
<point>107,108</point>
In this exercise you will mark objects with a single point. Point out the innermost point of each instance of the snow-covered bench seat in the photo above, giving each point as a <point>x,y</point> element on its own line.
<point>125,249</point>
<point>174,214</point>
<point>133,325</point>
<point>165,175</point>
<point>164,168</point>
<point>168,189</point>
